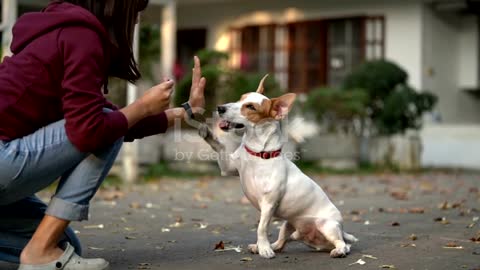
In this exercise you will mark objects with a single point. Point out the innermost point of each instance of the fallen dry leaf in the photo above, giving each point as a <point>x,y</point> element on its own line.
<point>219,245</point>
<point>110,195</point>
<point>359,261</point>
<point>99,226</point>
<point>442,220</point>
<point>444,205</point>
<point>237,249</point>
<point>413,237</point>
<point>473,190</point>
<point>179,219</point>
<point>416,210</point>
<point>95,248</point>
<point>246,259</point>
<point>475,239</point>
<point>471,225</point>
<point>355,212</point>
<point>128,237</point>
<point>144,266</point>
<point>408,245</point>
<point>356,219</point>
<point>369,256</point>
<point>387,266</point>
<point>399,195</point>
<point>452,245</point>
<point>135,205</point>
<point>175,225</point>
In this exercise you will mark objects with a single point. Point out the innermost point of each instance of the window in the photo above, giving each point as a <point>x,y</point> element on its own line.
<point>309,54</point>
<point>261,49</point>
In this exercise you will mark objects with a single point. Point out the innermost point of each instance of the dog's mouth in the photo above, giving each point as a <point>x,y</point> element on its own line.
<point>227,125</point>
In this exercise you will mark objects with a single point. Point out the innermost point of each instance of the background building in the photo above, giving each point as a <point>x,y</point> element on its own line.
<point>308,43</point>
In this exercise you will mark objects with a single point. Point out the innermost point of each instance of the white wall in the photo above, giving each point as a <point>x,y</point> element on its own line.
<point>451,146</point>
<point>443,69</point>
<point>468,69</point>
<point>403,22</point>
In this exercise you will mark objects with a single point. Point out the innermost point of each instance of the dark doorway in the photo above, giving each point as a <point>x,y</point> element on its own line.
<point>189,42</point>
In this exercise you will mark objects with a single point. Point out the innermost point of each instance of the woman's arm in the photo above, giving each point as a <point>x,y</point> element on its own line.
<point>143,123</point>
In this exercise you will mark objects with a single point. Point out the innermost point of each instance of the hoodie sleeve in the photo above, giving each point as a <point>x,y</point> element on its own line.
<point>148,126</point>
<point>87,126</point>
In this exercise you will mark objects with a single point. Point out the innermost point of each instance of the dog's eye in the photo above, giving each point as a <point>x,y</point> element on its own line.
<point>251,107</point>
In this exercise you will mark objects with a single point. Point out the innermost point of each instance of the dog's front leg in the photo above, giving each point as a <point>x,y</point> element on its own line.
<point>207,134</point>
<point>263,245</point>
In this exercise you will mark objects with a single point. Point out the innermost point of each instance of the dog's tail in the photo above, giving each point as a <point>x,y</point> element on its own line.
<point>349,238</point>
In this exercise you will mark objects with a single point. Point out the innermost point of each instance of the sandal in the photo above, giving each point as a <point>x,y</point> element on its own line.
<point>69,261</point>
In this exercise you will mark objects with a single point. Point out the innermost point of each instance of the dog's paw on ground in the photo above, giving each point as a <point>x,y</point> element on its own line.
<point>253,248</point>
<point>277,247</point>
<point>266,252</point>
<point>338,253</point>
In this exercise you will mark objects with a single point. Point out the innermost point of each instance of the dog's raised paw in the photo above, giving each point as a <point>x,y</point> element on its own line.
<point>203,131</point>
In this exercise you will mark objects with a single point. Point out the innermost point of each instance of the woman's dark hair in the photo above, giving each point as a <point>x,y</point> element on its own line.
<point>119,18</point>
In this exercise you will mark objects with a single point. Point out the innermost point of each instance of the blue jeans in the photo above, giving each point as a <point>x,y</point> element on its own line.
<point>32,163</point>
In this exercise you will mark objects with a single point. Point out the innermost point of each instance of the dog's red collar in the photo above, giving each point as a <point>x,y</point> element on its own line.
<point>264,155</point>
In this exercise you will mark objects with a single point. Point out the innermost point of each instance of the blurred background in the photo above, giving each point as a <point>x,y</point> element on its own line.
<point>382,84</point>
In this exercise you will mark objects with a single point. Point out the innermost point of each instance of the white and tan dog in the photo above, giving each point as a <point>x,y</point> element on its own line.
<point>274,184</point>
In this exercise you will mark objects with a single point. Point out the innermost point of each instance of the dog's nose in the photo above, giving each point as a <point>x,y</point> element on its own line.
<point>221,109</point>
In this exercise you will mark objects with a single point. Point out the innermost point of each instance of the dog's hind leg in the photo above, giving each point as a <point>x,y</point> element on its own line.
<point>349,238</point>
<point>283,236</point>
<point>332,231</point>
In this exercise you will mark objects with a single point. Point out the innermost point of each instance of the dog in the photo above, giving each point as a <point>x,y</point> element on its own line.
<point>271,182</point>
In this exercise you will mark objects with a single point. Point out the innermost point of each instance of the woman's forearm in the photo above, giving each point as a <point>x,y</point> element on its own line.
<point>173,114</point>
<point>134,113</point>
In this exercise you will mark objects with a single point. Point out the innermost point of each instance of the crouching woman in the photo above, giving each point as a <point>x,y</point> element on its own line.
<point>55,123</point>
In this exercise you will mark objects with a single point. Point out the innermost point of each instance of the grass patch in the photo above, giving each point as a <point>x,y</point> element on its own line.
<point>364,168</point>
<point>163,170</point>
<point>112,181</point>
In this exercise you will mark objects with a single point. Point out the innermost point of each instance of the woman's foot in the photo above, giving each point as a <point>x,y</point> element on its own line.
<point>68,260</point>
<point>34,255</point>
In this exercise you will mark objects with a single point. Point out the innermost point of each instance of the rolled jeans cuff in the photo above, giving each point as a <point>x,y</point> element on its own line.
<point>67,210</point>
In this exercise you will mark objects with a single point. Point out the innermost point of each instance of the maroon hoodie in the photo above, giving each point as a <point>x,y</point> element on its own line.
<point>57,72</point>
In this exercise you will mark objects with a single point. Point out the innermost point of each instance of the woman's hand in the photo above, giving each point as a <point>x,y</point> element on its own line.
<point>157,98</point>
<point>197,97</point>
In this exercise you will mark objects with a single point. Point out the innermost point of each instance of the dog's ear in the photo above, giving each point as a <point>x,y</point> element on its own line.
<point>282,105</point>
<point>260,86</point>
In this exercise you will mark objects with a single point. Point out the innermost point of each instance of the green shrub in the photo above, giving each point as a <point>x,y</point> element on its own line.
<point>149,50</point>
<point>378,78</point>
<point>403,109</point>
<point>334,107</point>
<point>393,106</point>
